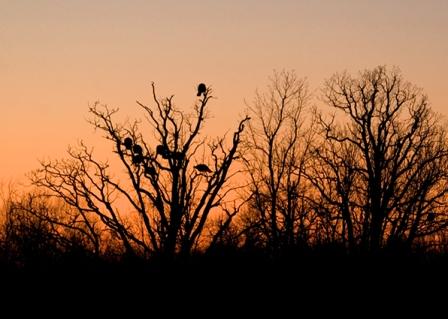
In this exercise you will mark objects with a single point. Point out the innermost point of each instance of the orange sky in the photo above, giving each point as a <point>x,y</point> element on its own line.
<point>56,57</point>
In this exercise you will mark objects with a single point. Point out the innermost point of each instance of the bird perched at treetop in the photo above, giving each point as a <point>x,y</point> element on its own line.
<point>137,149</point>
<point>177,155</point>
<point>137,159</point>
<point>201,89</point>
<point>127,143</point>
<point>203,168</point>
<point>162,150</point>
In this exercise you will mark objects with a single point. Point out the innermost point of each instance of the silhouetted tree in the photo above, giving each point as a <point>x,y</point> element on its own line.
<point>38,231</point>
<point>170,198</point>
<point>331,170</point>
<point>277,147</point>
<point>382,171</point>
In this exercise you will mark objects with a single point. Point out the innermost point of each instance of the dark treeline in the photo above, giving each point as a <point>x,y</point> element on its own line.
<point>362,180</point>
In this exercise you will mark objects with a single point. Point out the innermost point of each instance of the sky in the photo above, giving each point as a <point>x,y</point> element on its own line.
<point>59,57</point>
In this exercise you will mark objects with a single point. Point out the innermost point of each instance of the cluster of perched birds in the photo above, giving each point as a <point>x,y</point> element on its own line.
<point>137,151</point>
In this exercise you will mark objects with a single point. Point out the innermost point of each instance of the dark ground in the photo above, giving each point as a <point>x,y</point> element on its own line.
<point>324,283</point>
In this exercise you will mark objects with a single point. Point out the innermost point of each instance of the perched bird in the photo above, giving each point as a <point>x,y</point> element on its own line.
<point>201,89</point>
<point>137,149</point>
<point>203,168</point>
<point>177,155</point>
<point>430,217</point>
<point>127,143</point>
<point>137,159</point>
<point>162,150</point>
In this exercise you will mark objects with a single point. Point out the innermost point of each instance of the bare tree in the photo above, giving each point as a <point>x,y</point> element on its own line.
<point>169,190</point>
<point>277,146</point>
<point>36,229</point>
<point>333,199</point>
<point>383,171</point>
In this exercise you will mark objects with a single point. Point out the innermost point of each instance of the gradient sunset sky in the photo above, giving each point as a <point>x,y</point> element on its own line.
<point>57,57</point>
